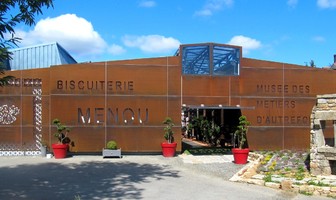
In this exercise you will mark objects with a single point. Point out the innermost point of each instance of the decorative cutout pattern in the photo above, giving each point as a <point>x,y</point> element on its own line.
<point>8,114</point>
<point>37,103</point>
<point>10,149</point>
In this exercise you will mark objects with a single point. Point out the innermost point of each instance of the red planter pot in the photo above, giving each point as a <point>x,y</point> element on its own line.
<point>240,155</point>
<point>60,150</point>
<point>168,149</point>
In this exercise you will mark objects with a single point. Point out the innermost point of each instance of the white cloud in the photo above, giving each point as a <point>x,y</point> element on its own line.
<point>147,4</point>
<point>212,6</point>
<point>204,12</point>
<point>292,3</point>
<point>152,43</point>
<point>319,39</point>
<point>74,33</point>
<point>326,3</point>
<point>247,43</point>
<point>116,49</point>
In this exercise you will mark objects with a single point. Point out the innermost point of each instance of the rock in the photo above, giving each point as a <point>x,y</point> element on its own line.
<point>256,182</point>
<point>272,185</point>
<point>286,184</point>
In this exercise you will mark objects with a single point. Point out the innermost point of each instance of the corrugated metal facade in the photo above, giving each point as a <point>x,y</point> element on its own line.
<point>127,101</point>
<point>39,56</point>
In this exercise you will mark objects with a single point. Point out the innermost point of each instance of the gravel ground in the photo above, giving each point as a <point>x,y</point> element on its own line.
<point>224,170</point>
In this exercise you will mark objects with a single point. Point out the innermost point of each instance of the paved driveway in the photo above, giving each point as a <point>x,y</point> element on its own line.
<point>131,177</point>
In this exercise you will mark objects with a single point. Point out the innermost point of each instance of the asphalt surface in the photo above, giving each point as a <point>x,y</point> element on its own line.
<point>130,177</point>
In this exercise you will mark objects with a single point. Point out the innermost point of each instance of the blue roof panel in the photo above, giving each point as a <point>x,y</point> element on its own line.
<point>39,56</point>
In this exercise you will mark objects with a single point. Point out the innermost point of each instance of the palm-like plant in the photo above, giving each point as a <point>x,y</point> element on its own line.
<point>168,132</point>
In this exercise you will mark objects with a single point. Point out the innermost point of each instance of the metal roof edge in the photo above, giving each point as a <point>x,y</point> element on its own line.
<point>65,51</point>
<point>32,46</point>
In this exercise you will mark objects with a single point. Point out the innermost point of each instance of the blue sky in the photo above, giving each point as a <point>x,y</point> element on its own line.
<point>290,31</point>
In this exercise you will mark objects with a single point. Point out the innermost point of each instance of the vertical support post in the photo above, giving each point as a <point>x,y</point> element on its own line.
<point>222,117</point>
<point>213,118</point>
<point>334,123</point>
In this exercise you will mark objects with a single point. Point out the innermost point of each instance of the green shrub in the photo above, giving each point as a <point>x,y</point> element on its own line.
<point>168,130</point>
<point>62,132</point>
<point>319,183</point>
<point>288,169</point>
<point>187,152</point>
<point>306,193</point>
<point>112,145</point>
<point>299,176</point>
<point>268,177</point>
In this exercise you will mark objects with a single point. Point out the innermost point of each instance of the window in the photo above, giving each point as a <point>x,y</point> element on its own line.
<point>210,59</point>
<point>225,61</point>
<point>196,60</point>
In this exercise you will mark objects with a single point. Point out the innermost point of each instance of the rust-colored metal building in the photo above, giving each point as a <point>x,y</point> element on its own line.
<point>127,100</point>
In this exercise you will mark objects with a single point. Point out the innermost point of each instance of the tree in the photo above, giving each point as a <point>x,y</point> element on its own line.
<point>241,132</point>
<point>26,11</point>
<point>312,63</point>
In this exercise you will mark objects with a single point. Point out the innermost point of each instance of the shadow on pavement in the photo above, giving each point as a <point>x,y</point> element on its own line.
<point>87,180</point>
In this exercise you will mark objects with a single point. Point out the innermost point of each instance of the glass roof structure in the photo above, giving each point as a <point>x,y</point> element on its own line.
<point>39,56</point>
<point>196,60</point>
<point>210,59</point>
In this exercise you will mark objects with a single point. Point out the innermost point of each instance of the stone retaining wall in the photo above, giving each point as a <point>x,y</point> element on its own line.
<point>248,174</point>
<point>321,154</point>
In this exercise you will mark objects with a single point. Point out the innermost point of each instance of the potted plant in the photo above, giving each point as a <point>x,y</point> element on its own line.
<point>213,133</point>
<point>111,150</point>
<point>168,147</point>
<point>60,149</point>
<point>240,154</point>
